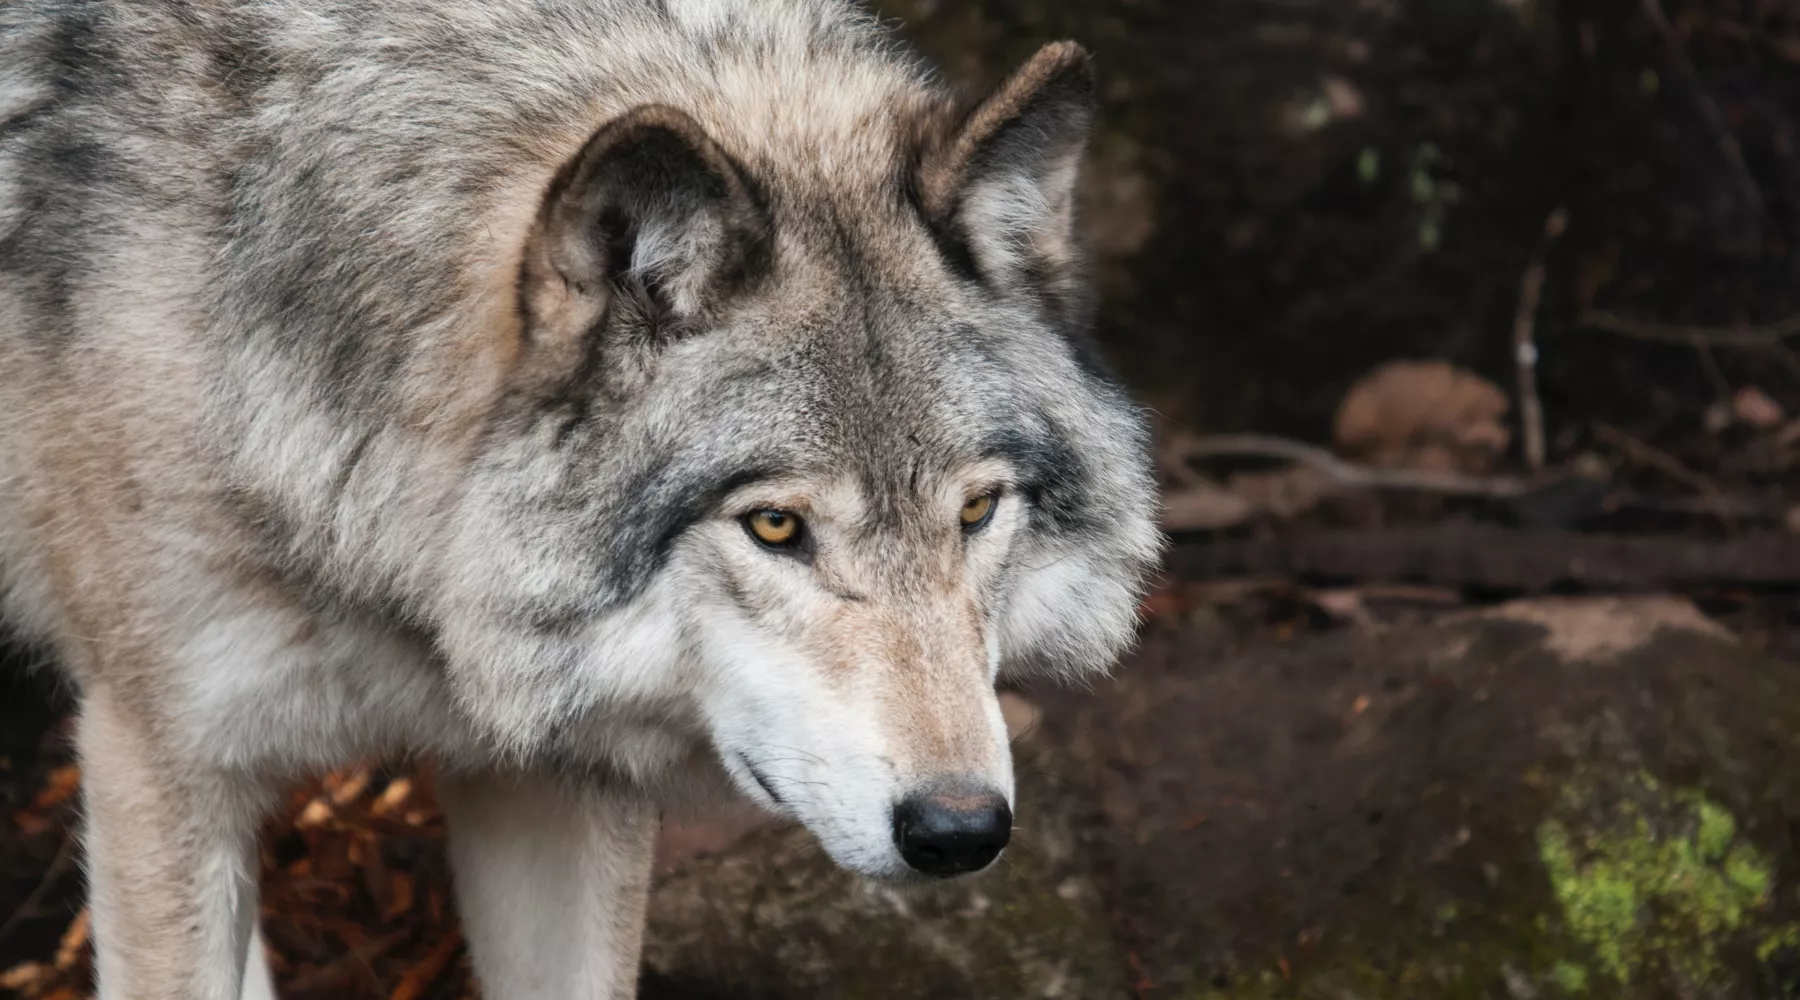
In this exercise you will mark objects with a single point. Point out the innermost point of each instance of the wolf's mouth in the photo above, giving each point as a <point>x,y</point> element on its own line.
<point>762,781</point>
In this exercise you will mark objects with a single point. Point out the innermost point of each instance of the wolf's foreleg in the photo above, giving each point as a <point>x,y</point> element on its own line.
<point>258,983</point>
<point>171,861</point>
<point>552,880</point>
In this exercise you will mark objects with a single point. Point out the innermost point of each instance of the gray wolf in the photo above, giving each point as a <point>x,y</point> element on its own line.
<point>611,400</point>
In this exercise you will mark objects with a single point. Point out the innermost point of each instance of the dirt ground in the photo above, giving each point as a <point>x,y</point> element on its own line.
<point>1285,197</point>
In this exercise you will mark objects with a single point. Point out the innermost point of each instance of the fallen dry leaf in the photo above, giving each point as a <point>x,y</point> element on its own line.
<point>1158,603</point>
<point>1425,415</point>
<point>418,978</point>
<point>1204,506</point>
<point>1343,605</point>
<point>392,797</point>
<point>1756,408</point>
<point>60,786</point>
<point>400,896</point>
<point>1285,493</point>
<point>348,788</point>
<point>25,977</point>
<point>1790,434</point>
<point>1345,99</point>
<point>317,813</point>
<point>68,950</point>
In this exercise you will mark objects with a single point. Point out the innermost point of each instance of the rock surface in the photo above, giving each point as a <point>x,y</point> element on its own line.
<point>773,918</point>
<point>1549,799</point>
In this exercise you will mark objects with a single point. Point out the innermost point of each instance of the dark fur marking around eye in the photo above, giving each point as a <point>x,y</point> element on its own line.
<point>1053,479</point>
<point>700,501</point>
<point>659,505</point>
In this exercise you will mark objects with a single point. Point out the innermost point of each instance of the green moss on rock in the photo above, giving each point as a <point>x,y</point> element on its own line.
<point>1570,977</point>
<point>1662,888</point>
<point>1640,891</point>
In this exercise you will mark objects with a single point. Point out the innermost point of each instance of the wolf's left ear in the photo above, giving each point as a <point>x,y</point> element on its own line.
<point>651,224</point>
<point>1002,186</point>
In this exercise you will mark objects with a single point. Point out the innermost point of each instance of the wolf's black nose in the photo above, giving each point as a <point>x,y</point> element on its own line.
<point>952,831</point>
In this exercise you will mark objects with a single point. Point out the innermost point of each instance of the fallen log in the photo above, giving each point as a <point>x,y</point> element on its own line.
<point>1499,558</point>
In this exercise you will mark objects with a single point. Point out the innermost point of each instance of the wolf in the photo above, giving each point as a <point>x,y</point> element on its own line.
<point>616,402</point>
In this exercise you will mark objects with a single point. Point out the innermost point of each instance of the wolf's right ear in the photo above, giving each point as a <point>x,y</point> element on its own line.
<point>651,224</point>
<point>1000,187</point>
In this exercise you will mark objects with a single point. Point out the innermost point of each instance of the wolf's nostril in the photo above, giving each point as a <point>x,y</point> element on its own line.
<point>951,831</point>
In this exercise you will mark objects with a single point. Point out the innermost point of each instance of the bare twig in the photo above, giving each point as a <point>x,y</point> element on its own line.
<point>1714,374</point>
<point>1525,352</point>
<point>1349,476</point>
<point>1669,465</point>
<point>1785,48</point>
<point>65,858</point>
<point>1764,335</point>
<point>345,965</point>
<point>1709,109</point>
<point>1349,473</point>
<point>1789,360</point>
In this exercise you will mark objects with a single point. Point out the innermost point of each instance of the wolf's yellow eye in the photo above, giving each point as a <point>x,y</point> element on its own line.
<point>976,511</point>
<point>779,528</point>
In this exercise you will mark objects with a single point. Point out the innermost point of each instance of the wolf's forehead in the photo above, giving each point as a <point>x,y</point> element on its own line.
<point>901,381</point>
<point>907,414</point>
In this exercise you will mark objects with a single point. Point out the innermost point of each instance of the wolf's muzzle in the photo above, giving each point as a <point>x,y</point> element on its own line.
<point>952,830</point>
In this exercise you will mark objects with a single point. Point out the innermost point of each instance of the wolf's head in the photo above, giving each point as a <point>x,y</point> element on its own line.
<point>804,451</point>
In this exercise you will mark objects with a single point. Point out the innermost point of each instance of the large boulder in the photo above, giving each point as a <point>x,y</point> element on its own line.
<point>1571,798</point>
<point>1558,798</point>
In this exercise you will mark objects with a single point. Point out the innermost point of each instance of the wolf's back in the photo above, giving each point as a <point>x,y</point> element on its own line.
<point>279,223</point>
<point>350,167</point>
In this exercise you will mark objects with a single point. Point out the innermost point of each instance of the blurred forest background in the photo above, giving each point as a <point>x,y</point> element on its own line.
<point>1469,328</point>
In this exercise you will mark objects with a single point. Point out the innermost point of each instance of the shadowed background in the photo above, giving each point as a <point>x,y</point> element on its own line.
<point>1346,761</point>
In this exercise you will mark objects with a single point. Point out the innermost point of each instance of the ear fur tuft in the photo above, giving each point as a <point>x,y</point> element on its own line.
<point>650,215</point>
<point>1003,184</point>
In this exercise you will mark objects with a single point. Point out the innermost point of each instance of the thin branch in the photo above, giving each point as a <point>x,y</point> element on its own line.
<point>65,857</point>
<point>1669,465</point>
<point>1506,558</point>
<point>1349,473</point>
<point>1711,501</point>
<point>1764,335</point>
<point>1525,351</point>
<point>1783,47</point>
<point>1709,109</point>
<point>1714,374</point>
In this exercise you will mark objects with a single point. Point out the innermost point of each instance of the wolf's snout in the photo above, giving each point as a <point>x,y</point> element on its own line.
<point>952,831</point>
